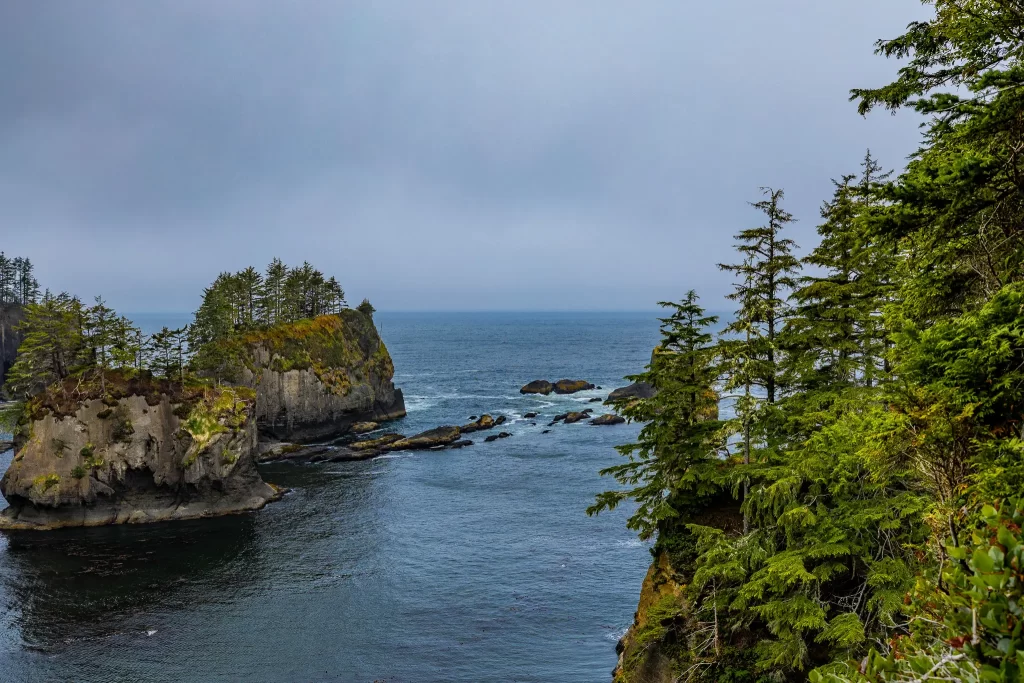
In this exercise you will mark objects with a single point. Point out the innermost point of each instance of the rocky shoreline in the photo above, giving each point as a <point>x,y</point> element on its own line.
<point>146,453</point>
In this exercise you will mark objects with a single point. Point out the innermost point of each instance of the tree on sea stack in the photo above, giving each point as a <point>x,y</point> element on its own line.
<point>51,346</point>
<point>366,308</point>
<point>671,467</point>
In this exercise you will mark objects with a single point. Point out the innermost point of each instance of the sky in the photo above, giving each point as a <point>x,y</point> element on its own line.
<point>442,155</point>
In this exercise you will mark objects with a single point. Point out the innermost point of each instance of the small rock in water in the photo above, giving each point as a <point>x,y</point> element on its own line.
<point>500,420</point>
<point>596,399</point>
<point>504,435</point>
<point>461,444</point>
<point>556,418</point>
<point>551,424</point>
<point>529,415</point>
<point>609,419</point>
<point>473,417</point>
<point>546,431</point>
<point>492,437</point>
<point>537,386</point>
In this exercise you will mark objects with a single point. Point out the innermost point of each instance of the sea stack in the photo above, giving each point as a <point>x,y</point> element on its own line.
<point>138,451</point>
<point>319,377</point>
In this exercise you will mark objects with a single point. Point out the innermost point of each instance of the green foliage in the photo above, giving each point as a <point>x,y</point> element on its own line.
<point>879,402</point>
<point>52,345</point>
<point>676,449</point>
<point>366,308</point>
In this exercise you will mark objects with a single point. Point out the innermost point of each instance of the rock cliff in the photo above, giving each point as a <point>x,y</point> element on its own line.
<point>136,453</point>
<point>642,653</point>
<point>317,378</point>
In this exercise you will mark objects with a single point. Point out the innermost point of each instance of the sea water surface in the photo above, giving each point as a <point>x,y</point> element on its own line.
<point>470,565</point>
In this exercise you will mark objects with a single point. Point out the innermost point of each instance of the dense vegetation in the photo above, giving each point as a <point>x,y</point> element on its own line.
<point>63,339</point>
<point>855,518</point>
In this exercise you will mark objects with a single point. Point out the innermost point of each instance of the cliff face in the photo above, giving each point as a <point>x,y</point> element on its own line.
<point>642,656</point>
<point>140,457</point>
<point>316,378</point>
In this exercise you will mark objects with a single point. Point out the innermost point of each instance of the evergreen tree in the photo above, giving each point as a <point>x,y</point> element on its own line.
<point>51,347</point>
<point>249,283</point>
<point>7,280</point>
<point>101,336</point>
<point>765,276</point>
<point>671,466</point>
<point>272,301</point>
<point>366,308</point>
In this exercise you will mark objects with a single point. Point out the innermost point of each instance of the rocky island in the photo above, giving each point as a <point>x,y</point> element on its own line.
<point>319,378</point>
<point>139,451</point>
<point>116,429</point>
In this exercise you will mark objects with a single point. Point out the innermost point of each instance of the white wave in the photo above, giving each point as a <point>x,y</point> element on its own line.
<point>631,543</point>
<point>618,634</point>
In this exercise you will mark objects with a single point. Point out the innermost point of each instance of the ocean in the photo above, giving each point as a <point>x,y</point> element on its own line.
<point>469,565</point>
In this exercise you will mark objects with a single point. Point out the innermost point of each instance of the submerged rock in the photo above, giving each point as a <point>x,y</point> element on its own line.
<point>501,420</point>
<point>538,386</point>
<point>558,418</point>
<point>610,419</point>
<point>141,457</point>
<point>439,436</point>
<point>504,435</point>
<point>461,444</point>
<point>528,416</point>
<point>596,399</point>
<point>571,386</point>
<point>364,427</point>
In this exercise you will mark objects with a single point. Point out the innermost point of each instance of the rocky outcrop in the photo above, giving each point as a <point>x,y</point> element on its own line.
<point>610,419</point>
<point>573,417</point>
<point>364,427</point>
<point>642,656</point>
<point>538,386</point>
<point>140,457</point>
<point>376,444</point>
<point>635,390</point>
<point>571,386</point>
<point>485,422</point>
<point>317,378</point>
<point>562,386</point>
<point>439,436</point>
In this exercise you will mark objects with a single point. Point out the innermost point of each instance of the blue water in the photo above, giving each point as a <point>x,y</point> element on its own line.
<point>469,565</point>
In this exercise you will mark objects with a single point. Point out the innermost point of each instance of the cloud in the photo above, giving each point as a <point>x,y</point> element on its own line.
<point>442,155</point>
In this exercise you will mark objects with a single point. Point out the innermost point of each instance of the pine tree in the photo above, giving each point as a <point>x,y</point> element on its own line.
<point>272,300</point>
<point>51,347</point>
<point>249,283</point>
<point>7,280</point>
<point>670,467</point>
<point>101,336</point>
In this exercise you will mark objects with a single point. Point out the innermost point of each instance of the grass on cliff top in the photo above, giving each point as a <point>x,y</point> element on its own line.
<point>65,398</point>
<point>340,349</point>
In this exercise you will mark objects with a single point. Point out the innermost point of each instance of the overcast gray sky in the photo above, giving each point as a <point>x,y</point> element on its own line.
<point>441,155</point>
